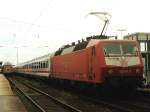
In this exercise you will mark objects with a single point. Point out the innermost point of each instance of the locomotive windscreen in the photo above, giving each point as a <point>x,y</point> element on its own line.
<point>120,49</point>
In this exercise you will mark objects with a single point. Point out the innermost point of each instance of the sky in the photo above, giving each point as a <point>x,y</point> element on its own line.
<point>32,28</point>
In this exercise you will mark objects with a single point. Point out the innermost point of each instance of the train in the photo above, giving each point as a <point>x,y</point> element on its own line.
<point>7,68</point>
<point>94,61</point>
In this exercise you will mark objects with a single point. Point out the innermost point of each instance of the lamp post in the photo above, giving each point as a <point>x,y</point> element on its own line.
<point>43,47</point>
<point>17,53</point>
<point>18,47</point>
<point>121,31</point>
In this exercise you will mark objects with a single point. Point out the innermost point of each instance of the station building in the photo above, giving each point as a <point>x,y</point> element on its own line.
<point>144,41</point>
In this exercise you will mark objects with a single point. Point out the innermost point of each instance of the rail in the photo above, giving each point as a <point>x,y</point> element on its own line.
<point>65,105</point>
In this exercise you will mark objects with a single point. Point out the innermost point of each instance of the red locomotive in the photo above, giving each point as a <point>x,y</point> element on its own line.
<point>7,68</point>
<point>96,61</point>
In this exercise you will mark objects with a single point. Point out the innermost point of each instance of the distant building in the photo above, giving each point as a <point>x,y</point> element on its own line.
<point>144,41</point>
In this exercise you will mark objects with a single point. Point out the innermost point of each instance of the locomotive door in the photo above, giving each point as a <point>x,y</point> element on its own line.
<point>92,63</point>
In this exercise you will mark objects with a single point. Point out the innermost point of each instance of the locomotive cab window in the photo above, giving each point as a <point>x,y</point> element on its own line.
<point>120,49</point>
<point>112,50</point>
<point>129,49</point>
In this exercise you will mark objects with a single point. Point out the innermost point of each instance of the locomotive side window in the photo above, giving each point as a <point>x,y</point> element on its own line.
<point>93,51</point>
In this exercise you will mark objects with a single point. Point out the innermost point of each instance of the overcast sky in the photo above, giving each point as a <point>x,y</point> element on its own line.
<point>37,27</point>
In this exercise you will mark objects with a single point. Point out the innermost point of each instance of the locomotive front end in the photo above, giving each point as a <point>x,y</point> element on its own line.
<point>123,62</point>
<point>7,68</point>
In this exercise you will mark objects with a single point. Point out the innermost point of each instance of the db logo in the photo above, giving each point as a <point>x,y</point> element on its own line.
<point>124,62</point>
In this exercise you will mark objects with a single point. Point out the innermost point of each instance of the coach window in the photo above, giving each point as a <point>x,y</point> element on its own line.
<point>36,64</point>
<point>93,51</point>
<point>46,64</point>
<point>33,65</point>
<point>30,66</point>
<point>41,64</point>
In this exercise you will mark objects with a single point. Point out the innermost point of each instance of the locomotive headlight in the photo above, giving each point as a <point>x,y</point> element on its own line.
<point>137,70</point>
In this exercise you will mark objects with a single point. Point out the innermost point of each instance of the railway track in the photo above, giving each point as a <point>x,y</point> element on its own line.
<point>128,104</point>
<point>110,105</point>
<point>43,101</point>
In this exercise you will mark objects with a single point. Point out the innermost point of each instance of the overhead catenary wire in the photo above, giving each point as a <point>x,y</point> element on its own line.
<point>33,23</point>
<point>38,17</point>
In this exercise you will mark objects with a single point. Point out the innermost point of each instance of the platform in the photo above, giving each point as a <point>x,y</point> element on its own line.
<point>9,102</point>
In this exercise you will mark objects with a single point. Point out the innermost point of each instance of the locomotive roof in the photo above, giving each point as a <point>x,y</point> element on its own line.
<point>80,45</point>
<point>85,44</point>
<point>115,40</point>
